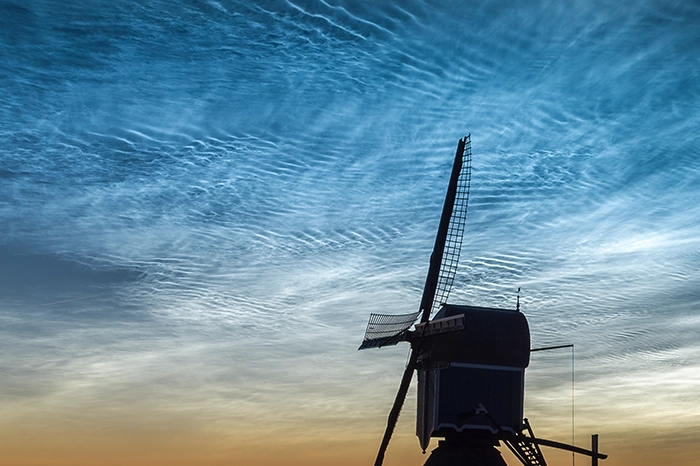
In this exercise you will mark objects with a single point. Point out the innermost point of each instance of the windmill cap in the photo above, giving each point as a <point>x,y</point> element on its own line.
<point>490,336</point>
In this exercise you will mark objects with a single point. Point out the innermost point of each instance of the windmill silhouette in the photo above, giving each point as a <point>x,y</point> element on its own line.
<point>470,360</point>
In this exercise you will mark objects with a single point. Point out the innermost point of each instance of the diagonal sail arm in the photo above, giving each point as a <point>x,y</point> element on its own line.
<point>396,407</point>
<point>441,273</point>
<point>448,242</point>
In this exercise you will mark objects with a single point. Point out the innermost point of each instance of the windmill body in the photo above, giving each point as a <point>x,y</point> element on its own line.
<point>481,366</point>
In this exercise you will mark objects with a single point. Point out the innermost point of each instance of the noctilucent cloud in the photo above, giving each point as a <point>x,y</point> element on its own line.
<point>201,203</point>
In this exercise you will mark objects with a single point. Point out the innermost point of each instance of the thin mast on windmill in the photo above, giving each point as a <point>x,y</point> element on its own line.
<point>470,360</point>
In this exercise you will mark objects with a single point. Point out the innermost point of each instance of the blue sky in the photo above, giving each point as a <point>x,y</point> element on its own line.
<point>201,203</point>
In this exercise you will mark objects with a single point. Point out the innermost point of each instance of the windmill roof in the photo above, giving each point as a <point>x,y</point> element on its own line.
<point>490,336</point>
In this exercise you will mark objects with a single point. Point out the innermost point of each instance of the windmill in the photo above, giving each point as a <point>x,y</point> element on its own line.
<point>470,360</point>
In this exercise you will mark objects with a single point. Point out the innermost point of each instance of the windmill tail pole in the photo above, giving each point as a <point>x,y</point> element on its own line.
<point>396,408</point>
<point>594,448</point>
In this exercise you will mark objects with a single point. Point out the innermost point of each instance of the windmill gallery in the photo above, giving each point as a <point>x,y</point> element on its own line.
<point>470,360</point>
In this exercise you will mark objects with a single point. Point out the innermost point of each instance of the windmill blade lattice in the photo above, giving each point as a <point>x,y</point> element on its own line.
<point>455,231</point>
<point>386,329</point>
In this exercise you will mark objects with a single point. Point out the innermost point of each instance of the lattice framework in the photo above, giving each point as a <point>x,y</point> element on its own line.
<point>387,325</point>
<point>455,231</point>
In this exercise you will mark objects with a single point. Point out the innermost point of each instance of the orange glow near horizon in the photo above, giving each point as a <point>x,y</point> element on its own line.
<point>59,445</point>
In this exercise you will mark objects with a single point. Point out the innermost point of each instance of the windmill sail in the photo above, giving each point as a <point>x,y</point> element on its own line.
<point>445,253</point>
<point>455,230</point>
<point>448,242</point>
<point>387,329</point>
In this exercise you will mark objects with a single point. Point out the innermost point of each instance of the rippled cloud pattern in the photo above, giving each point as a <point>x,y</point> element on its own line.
<point>201,202</point>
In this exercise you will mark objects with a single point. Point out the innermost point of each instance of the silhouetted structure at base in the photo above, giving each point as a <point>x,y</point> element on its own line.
<point>467,450</point>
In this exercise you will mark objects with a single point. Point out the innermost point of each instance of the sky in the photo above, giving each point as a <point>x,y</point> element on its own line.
<point>202,202</point>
